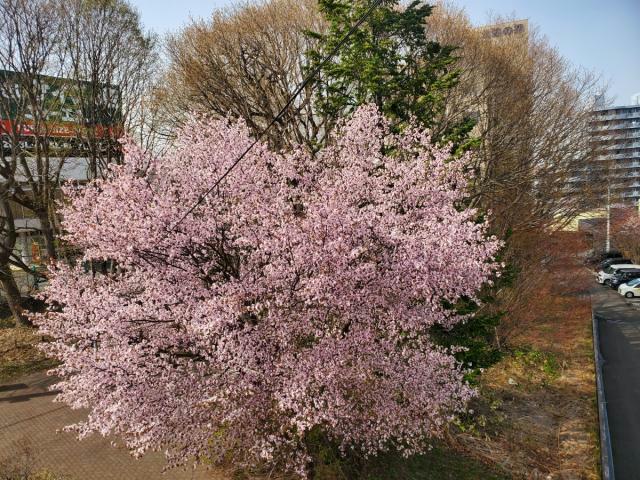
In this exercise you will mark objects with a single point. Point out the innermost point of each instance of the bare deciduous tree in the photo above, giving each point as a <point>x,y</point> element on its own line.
<point>246,62</point>
<point>72,78</point>
<point>532,109</point>
<point>113,63</point>
<point>30,163</point>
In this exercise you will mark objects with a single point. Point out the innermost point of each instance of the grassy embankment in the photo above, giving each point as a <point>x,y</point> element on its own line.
<point>537,414</point>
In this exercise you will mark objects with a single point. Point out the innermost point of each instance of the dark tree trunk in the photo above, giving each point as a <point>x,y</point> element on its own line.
<point>12,295</point>
<point>48,234</point>
<point>8,282</point>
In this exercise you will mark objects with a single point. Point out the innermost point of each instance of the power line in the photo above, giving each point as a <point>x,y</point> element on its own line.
<point>302,86</point>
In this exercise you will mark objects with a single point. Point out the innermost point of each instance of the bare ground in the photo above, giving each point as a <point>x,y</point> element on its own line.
<point>18,353</point>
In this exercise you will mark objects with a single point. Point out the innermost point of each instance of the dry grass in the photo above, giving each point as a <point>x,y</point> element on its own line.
<point>536,416</point>
<point>18,352</point>
<point>20,462</point>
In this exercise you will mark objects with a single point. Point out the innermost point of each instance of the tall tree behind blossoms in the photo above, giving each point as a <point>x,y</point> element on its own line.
<point>389,61</point>
<point>625,233</point>
<point>298,297</point>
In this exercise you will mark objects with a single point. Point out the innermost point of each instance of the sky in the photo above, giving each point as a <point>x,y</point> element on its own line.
<point>599,35</point>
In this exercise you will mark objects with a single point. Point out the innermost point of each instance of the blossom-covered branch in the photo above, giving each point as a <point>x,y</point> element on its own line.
<point>299,296</point>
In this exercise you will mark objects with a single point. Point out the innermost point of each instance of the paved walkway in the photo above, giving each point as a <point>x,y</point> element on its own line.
<point>28,413</point>
<point>619,325</point>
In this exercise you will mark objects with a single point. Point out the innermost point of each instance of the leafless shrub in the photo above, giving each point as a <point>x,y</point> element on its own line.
<point>20,462</point>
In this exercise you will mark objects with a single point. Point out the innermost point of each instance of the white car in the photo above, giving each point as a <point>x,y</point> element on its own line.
<point>630,289</point>
<point>605,275</point>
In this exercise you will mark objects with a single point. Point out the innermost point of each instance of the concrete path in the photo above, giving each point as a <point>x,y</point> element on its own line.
<point>28,413</point>
<point>619,324</point>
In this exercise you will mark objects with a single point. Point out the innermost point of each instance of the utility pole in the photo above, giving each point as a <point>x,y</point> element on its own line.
<point>607,247</point>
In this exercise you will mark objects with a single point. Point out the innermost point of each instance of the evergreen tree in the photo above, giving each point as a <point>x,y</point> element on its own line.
<point>388,61</point>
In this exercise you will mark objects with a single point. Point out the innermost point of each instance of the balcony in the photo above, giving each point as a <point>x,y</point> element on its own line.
<point>615,126</point>
<point>617,136</point>
<point>616,184</point>
<point>619,156</point>
<point>627,165</point>
<point>635,113</point>
<point>633,194</point>
<point>619,146</point>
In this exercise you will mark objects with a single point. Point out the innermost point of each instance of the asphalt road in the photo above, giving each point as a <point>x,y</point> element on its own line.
<point>619,324</point>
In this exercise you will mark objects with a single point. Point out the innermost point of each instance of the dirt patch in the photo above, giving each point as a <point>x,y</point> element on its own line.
<point>19,354</point>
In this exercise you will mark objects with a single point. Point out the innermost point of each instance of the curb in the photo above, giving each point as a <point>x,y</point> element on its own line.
<point>606,456</point>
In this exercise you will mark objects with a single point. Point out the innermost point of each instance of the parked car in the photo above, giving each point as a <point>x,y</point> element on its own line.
<point>623,275</point>
<point>630,289</point>
<point>604,276</point>
<point>598,256</point>
<point>614,261</point>
<point>595,258</point>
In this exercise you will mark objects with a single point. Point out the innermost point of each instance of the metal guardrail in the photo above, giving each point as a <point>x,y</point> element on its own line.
<point>606,456</point>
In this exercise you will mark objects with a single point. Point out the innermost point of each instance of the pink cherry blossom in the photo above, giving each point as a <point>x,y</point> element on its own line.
<point>298,295</point>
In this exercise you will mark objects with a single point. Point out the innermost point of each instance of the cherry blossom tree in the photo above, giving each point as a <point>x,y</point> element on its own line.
<point>298,296</point>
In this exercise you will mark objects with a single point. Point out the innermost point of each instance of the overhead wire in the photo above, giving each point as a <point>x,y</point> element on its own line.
<point>375,4</point>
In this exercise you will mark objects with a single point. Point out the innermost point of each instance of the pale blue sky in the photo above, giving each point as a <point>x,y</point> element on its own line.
<point>600,35</point>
